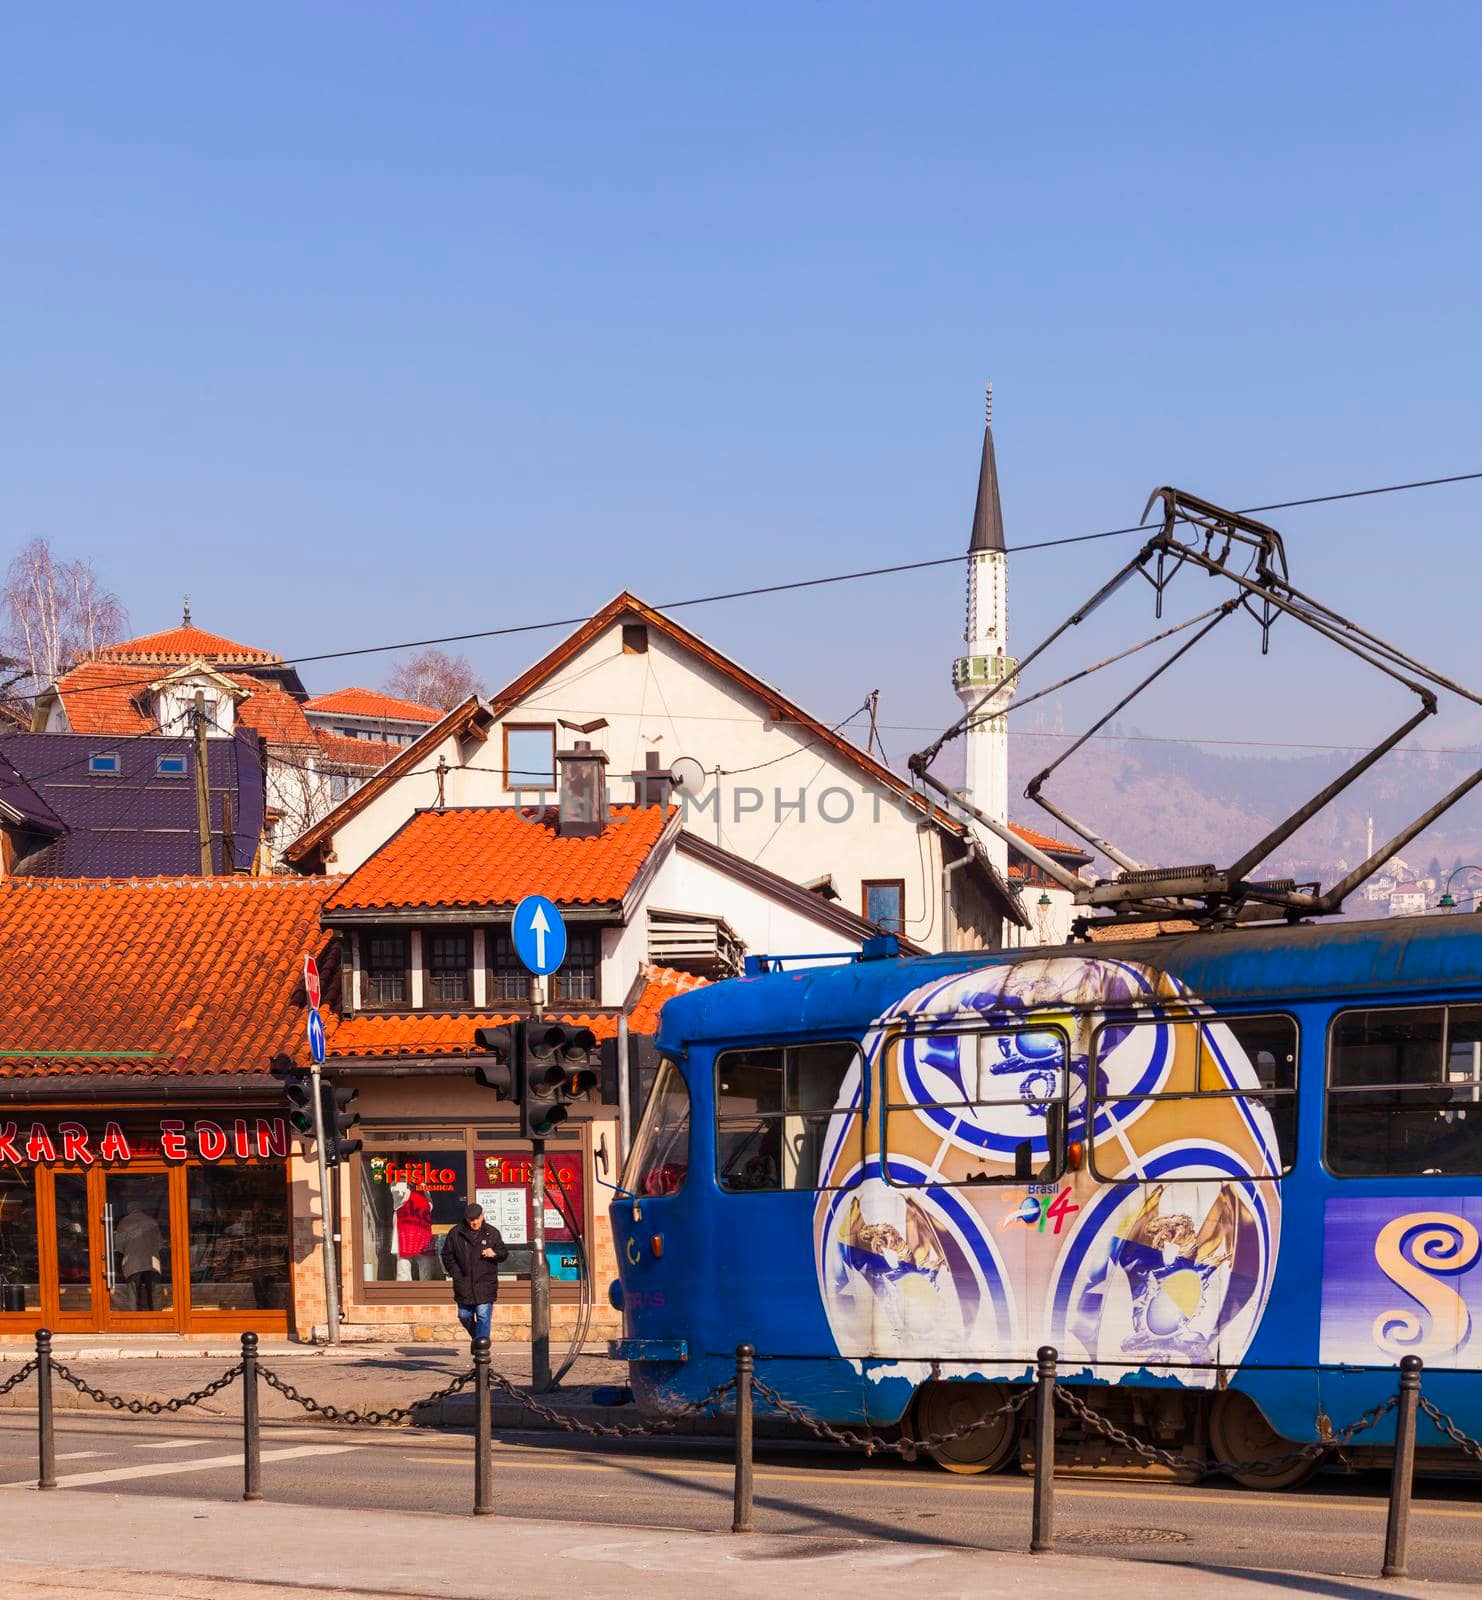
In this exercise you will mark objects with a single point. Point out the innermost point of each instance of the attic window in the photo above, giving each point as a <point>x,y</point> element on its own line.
<point>635,638</point>
<point>170,767</point>
<point>103,766</point>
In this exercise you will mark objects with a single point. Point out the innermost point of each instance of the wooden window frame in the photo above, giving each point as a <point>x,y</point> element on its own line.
<point>368,974</point>
<point>527,727</point>
<point>430,1000</point>
<point>866,884</point>
<point>494,1000</point>
<point>589,937</point>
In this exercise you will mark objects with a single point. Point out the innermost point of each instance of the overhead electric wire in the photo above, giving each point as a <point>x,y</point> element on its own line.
<point>831,578</point>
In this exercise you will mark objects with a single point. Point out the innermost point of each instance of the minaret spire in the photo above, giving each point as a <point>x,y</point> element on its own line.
<point>987,663</point>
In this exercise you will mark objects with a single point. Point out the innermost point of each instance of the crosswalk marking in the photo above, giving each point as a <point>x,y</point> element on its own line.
<point>172,1444</point>
<point>164,1469</point>
<point>81,1455</point>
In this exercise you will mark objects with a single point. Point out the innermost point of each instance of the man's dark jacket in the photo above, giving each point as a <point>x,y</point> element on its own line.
<point>475,1276</point>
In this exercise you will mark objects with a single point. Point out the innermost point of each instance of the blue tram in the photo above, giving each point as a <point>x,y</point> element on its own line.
<point>1231,1175</point>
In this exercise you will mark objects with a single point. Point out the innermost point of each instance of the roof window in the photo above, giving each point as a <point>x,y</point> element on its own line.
<point>171,767</point>
<point>103,766</point>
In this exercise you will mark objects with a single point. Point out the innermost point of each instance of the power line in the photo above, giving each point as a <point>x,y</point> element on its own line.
<point>832,578</point>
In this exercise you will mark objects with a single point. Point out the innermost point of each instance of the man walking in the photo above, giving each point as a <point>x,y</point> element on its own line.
<point>471,1253</point>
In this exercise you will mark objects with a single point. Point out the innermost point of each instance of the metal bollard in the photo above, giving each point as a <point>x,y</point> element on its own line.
<point>251,1425</point>
<point>483,1466</point>
<point>741,1510</point>
<point>1042,1533</point>
<point>1402,1474</point>
<point>46,1439</point>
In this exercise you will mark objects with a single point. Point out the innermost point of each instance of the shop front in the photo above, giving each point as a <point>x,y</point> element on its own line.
<point>409,1186</point>
<point>124,1220</point>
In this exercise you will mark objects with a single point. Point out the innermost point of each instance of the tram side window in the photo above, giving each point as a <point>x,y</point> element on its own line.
<point>1405,1092</point>
<point>969,1107</point>
<point>773,1109</point>
<point>660,1157</point>
<point>1218,1097</point>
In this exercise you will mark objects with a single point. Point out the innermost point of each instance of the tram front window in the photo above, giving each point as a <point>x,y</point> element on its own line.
<point>660,1157</point>
<point>1405,1092</point>
<point>773,1110</point>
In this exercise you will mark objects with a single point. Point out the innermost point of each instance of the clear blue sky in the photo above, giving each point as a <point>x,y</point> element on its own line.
<point>365,321</point>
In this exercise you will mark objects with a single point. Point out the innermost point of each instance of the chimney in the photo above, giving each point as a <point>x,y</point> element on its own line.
<point>582,789</point>
<point>651,786</point>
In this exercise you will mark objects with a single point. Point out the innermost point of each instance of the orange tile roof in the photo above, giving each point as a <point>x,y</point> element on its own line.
<point>356,702</point>
<point>101,697</point>
<point>363,755</point>
<point>158,976</point>
<point>176,645</point>
<point>496,855</point>
<point>1044,841</point>
<point>275,714</point>
<point>434,1033</point>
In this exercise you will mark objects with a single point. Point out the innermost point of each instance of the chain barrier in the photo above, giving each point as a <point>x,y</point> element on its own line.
<point>909,1449</point>
<point>153,1408</point>
<point>18,1377</point>
<point>617,1430</point>
<point>1205,1465</point>
<point>349,1415</point>
<point>1462,1441</point>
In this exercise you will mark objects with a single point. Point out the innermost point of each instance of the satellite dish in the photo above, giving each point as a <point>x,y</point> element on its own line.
<point>687,774</point>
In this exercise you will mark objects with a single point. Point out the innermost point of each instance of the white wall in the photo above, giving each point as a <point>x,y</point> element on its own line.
<point>669,701</point>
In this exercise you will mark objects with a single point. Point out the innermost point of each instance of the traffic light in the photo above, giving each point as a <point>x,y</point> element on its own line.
<point>300,1092</point>
<point>504,1071</point>
<point>340,1115</point>
<point>559,1071</point>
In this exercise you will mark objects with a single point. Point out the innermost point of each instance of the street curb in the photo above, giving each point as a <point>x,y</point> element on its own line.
<point>457,1412</point>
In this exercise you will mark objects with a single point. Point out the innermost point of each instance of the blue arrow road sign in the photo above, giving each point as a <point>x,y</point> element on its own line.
<point>539,934</point>
<point>316,1035</point>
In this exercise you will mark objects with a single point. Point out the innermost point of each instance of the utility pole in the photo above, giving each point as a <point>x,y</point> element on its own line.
<point>203,792</point>
<point>228,836</point>
<point>540,1278</point>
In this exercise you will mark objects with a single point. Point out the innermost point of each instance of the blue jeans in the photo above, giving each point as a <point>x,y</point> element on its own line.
<point>476,1319</point>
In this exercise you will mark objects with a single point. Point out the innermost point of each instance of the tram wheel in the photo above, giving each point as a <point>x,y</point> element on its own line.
<point>1238,1431</point>
<point>947,1407</point>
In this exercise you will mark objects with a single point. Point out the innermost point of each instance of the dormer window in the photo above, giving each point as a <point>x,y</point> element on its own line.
<point>448,957</point>
<point>387,970</point>
<point>104,766</point>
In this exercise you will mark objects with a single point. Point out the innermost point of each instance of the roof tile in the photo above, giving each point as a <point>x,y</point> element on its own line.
<point>188,643</point>
<point>357,702</point>
<point>496,855</point>
<point>181,976</point>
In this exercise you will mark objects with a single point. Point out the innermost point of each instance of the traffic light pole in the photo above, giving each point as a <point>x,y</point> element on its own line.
<point>330,1225</point>
<point>540,1276</point>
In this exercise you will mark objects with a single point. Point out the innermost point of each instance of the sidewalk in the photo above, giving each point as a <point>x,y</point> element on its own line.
<point>362,1376</point>
<point>141,1545</point>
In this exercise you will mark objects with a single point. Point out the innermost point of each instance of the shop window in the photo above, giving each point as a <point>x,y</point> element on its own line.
<point>660,1158</point>
<point>774,1110</point>
<point>576,978</point>
<point>1405,1092</point>
<point>1217,1091</point>
<point>413,1189</point>
<point>20,1256</point>
<point>74,1246</point>
<point>509,980</point>
<point>238,1238</point>
<point>976,1106</point>
<point>447,954</point>
<point>386,977</point>
<point>502,1170</point>
<point>885,904</point>
<point>529,755</point>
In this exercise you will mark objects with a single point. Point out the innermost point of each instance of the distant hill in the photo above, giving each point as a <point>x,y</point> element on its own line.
<point>1174,804</point>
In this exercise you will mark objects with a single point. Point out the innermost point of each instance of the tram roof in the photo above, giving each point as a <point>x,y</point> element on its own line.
<point>1229,965</point>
